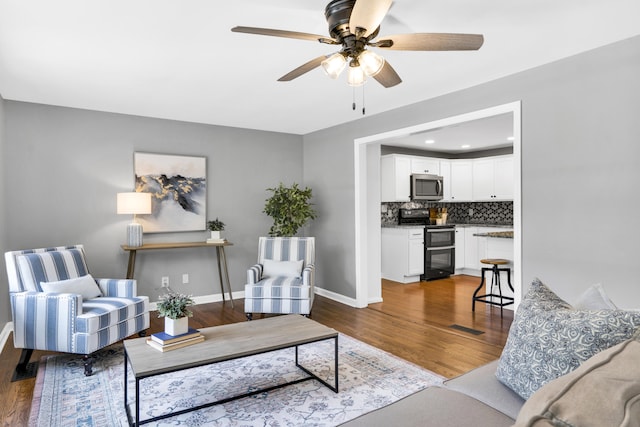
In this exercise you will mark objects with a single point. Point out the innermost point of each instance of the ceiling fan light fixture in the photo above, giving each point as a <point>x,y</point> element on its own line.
<point>334,65</point>
<point>355,75</point>
<point>371,62</point>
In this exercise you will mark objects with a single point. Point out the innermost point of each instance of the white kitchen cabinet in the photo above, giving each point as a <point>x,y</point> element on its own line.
<point>402,253</point>
<point>425,165</point>
<point>493,178</point>
<point>395,171</point>
<point>461,181</point>
<point>445,173</point>
<point>460,249</point>
<point>416,253</point>
<point>504,178</point>
<point>477,248</point>
<point>471,260</point>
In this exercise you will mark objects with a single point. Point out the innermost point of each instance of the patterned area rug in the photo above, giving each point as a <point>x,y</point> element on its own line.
<point>368,379</point>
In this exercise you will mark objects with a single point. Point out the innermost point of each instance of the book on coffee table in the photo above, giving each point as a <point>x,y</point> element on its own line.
<point>175,345</point>
<point>164,338</point>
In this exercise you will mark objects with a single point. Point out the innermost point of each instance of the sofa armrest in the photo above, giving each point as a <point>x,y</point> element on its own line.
<point>254,274</point>
<point>29,330</point>
<point>124,288</point>
<point>308,275</point>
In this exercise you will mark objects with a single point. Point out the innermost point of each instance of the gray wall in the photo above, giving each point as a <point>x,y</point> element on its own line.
<point>63,168</point>
<point>580,171</point>
<point>4,305</point>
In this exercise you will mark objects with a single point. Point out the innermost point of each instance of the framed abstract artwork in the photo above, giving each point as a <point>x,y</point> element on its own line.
<point>178,187</point>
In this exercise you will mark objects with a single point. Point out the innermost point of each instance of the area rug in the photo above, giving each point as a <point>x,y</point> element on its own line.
<point>369,378</point>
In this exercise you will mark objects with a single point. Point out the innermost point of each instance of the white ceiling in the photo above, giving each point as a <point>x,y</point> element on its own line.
<point>179,60</point>
<point>475,135</point>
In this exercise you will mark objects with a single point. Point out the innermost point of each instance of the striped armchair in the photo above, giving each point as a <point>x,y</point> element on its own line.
<point>56,305</point>
<point>283,279</point>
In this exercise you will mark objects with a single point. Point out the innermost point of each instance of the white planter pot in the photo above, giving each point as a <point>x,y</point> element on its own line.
<point>215,235</point>
<point>176,326</point>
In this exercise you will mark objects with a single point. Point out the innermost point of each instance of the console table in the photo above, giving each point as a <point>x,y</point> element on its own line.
<point>220,255</point>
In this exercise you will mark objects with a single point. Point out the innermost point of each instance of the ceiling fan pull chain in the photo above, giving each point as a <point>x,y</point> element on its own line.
<point>363,106</point>
<point>353,105</point>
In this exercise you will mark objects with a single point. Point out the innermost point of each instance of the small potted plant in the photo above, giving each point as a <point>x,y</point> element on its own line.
<point>174,308</point>
<point>215,226</point>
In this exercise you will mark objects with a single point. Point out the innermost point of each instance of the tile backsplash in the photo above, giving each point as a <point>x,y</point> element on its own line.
<point>500,213</point>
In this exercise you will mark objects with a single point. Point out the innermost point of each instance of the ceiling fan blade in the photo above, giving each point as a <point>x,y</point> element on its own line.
<point>283,33</point>
<point>367,15</point>
<point>431,41</point>
<point>388,77</point>
<point>304,68</point>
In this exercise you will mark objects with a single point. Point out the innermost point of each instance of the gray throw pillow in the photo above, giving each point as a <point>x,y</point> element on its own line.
<point>548,339</point>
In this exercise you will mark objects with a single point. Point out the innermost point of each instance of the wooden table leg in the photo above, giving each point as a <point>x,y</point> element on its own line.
<point>132,263</point>
<point>220,271</point>
<point>222,264</point>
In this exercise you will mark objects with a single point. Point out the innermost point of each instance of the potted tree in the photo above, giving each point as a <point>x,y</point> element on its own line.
<point>215,227</point>
<point>174,308</point>
<point>290,209</point>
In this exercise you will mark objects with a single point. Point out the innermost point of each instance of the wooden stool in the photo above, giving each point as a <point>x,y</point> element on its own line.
<point>491,298</point>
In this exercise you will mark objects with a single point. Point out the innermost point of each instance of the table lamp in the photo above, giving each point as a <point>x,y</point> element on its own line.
<point>134,203</point>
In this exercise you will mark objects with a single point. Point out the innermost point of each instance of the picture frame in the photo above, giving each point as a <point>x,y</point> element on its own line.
<point>178,187</point>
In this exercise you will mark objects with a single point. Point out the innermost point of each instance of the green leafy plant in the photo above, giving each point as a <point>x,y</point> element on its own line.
<point>290,209</point>
<point>174,305</point>
<point>215,225</point>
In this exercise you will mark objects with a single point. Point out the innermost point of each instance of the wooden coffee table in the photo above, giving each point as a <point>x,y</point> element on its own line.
<point>224,343</point>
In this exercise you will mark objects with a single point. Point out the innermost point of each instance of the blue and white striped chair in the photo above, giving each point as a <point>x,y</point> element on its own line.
<point>56,305</point>
<point>283,279</point>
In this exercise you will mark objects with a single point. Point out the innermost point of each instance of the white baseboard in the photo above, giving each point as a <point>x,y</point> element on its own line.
<point>336,297</point>
<point>4,335</point>
<point>204,299</point>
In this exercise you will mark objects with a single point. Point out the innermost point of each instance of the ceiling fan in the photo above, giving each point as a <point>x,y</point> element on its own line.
<point>353,25</point>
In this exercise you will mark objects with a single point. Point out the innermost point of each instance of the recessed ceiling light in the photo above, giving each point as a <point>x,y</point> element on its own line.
<point>466,146</point>
<point>510,138</point>
<point>429,141</point>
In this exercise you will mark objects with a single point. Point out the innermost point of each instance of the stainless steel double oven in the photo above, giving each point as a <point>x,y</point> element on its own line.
<point>439,251</point>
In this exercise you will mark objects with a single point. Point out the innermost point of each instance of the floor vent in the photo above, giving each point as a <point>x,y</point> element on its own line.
<point>467,330</point>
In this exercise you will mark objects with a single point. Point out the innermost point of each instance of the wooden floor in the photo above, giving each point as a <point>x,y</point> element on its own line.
<point>414,322</point>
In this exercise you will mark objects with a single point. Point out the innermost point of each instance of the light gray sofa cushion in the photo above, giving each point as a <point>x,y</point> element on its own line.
<point>482,384</point>
<point>434,407</point>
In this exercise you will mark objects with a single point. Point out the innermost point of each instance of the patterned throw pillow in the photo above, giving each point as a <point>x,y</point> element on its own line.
<point>548,338</point>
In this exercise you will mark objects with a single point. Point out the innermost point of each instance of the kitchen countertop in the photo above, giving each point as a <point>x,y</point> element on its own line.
<point>393,225</point>
<point>499,234</point>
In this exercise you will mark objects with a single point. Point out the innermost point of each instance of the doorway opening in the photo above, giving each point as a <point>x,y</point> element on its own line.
<point>367,200</point>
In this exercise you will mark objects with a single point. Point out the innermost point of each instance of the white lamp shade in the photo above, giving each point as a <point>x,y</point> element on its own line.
<point>134,203</point>
<point>355,76</point>
<point>371,62</point>
<point>334,65</point>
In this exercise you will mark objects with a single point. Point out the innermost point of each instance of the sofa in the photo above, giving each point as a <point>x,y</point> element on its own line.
<point>476,399</point>
<point>562,365</point>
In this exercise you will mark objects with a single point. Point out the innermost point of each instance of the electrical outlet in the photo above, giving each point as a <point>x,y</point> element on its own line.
<point>185,278</point>
<point>165,281</point>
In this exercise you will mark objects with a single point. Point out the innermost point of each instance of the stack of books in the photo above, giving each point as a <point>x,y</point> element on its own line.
<point>165,342</point>
<point>216,240</point>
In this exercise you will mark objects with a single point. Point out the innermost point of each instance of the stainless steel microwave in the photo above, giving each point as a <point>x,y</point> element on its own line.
<point>426,187</point>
